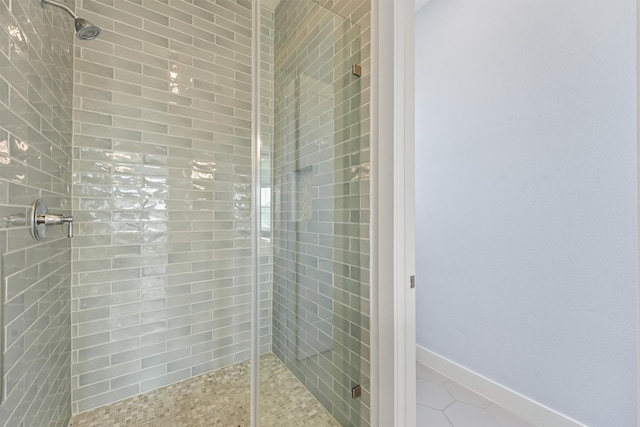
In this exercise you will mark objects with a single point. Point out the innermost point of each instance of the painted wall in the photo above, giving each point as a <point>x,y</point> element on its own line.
<point>526,198</point>
<point>36,84</point>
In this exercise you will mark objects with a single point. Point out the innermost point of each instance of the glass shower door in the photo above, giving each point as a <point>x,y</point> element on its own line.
<point>310,238</point>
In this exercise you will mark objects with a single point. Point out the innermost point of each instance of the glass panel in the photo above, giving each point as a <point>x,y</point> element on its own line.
<point>310,217</point>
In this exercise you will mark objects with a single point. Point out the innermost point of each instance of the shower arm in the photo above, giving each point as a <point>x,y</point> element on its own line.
<point>60,5</point>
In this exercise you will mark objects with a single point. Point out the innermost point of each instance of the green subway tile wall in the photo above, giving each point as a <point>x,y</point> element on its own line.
<point>36,83</point>
<point>162,184</point>
<point>320,201</point>
<point>155,287</point>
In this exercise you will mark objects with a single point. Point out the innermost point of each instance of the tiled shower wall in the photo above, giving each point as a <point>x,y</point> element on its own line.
<point>36,83</point>
<point>321,235</point>
<point>161,186</point>
<point>359,12</point>
<point>162,180</point>
<point>267,104</point>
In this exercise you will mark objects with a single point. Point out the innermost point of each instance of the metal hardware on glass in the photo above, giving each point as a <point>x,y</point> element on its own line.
<point>356,392</point>
<point>356,70</point>
<point>41,219</point>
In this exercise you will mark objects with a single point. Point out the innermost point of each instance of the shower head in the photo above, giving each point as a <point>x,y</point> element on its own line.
<point>85,30</point>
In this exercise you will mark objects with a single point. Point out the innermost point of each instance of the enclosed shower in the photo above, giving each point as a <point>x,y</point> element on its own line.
<point>210,159</point>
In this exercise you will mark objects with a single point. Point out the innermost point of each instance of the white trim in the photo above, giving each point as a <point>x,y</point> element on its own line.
<point>382,339</point>
<point>392,251</point>
<point>638,178</point>
<point>520,405</point>
<point>404,212</point>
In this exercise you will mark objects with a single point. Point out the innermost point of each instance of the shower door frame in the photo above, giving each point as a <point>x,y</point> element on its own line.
<point>393,330</point>
<point>256,182</point>
<point>638,187</point>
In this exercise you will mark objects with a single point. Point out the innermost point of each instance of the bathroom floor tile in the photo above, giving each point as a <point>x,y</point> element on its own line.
<point>433,395</point>
<point>428,417</point>
<point>464,395</point>
<point>465,415</point>
<point>442,402</point>
<point>217,398</point>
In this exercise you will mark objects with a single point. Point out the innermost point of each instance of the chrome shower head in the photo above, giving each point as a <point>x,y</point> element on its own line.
<point>85,30</point>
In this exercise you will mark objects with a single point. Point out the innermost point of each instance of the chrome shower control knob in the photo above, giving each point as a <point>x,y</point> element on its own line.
<point>41,219</point>
<point>38,229</point>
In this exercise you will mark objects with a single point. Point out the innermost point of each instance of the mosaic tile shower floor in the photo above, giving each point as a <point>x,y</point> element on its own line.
<point>218,398</point>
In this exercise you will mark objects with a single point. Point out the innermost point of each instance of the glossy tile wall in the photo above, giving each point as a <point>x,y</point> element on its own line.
<point>162,176</point>
<point>359,12</point>
<point>36,83</point>
<point>321,284</point>
<point>267,105</point>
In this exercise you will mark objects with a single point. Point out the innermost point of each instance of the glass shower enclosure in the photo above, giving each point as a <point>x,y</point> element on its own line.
<point>213,155</point>
<point>312,233</point>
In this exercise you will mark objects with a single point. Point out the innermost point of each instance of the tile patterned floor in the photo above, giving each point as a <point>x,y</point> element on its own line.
<point>444,403</point>
<point>218,398</point>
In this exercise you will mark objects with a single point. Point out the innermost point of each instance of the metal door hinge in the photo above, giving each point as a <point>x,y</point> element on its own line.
<point>412,281</point>
<point>356,392</point>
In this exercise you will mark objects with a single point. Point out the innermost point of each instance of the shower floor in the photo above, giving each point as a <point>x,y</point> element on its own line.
<point>217,398</point>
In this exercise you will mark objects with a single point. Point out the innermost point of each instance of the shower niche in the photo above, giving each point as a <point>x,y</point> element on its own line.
<point>301,196</point>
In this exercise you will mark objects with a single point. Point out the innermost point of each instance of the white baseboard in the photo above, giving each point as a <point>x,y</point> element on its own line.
<point>520,405</point>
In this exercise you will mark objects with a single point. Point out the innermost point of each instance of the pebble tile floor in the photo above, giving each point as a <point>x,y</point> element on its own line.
<point>444,403</point>
<point>217,398</point>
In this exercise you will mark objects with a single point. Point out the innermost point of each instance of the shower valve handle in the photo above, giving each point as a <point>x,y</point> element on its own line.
<point>56,219</point>
<point>41,219</point>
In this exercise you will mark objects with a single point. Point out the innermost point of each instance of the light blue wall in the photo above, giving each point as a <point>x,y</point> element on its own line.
<point>527,184</point>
